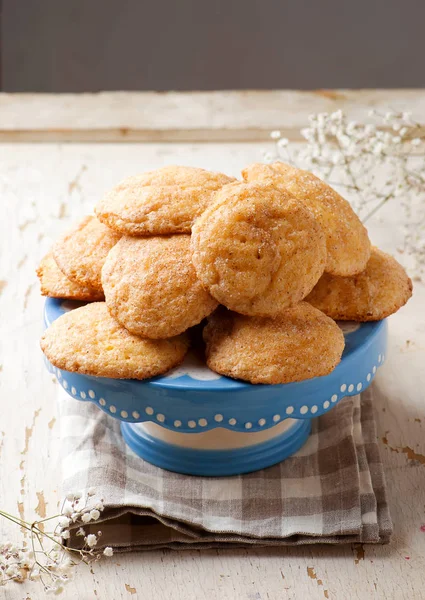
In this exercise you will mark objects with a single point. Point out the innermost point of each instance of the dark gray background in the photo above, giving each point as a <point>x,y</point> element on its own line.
<point>91,45</point>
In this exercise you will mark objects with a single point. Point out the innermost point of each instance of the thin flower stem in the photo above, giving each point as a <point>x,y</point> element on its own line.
<point>48,519</point>
<point>376,208</point>
<point>15,520</point>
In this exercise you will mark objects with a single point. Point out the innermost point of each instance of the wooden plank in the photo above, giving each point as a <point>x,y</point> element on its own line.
<point>43,188</point>
<point>185,117</point>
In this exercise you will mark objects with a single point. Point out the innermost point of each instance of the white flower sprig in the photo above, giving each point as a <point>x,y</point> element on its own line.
<point>371,164</point>
<point>48,559</point>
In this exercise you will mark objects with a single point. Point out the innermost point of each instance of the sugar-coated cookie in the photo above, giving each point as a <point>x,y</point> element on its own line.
<point>376,293</point>
<point>299,344</point>
<point>257,249</point>
<point>81,252</point>
<point>88,340</point>
<point>151,286</point>
<point>55,284</point>
<point>347,243</point>
<point>164,201</point>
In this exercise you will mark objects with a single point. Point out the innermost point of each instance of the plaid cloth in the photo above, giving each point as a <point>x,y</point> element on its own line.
<point>330,491</point>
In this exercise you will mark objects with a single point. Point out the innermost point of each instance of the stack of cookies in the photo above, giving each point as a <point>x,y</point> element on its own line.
<point>270,262</point>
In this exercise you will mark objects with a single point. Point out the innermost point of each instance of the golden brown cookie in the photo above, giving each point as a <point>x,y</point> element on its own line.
<point>167,200</point>
<point>376,293</point>
<point>299,344</point>
<point>257,249</point>
<point>88,340</point>
<point>347,242</point>
<point>56,285</point>
<point>81,252</point>
<point>151,286</point>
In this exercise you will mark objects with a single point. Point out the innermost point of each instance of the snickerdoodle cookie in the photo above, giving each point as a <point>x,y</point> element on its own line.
<point>55,284</point>
<point>81,252</point>
<point>151,286</point>
<point>257,249</point>
<point>347,240</point>
<point>167,200</point>
<point>88,340</point>
<point>376,293</point>
<point>299,344</point>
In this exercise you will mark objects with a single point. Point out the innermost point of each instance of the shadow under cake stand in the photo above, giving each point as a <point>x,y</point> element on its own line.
<point>197,422</point>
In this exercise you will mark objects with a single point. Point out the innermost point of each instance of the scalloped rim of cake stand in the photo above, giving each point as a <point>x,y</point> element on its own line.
<point>182,403</point>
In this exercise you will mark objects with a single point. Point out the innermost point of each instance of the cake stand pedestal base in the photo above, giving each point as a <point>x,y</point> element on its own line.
<point>197,453</point>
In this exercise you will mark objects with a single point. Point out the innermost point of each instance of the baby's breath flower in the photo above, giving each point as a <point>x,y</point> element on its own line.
<point>268,157</point>
<point>94,514</point>
<point>370,165</point>
<point>80,531</point>
<point>283,142</point>
<point>108,551</point>
<point>91,491</point>
<point>91,540</point>
<point>65,535</point>
<point>275,135</point>
<point>64,522</point>
<point>86,517</point>
<point>67,510</point>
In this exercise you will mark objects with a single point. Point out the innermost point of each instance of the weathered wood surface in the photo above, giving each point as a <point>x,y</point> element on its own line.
<point>185,116</point>
<point>43,187</point>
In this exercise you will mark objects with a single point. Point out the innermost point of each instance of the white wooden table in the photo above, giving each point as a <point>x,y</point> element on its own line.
<point>45,183</point>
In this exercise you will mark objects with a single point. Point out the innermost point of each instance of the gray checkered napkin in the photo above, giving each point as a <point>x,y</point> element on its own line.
<point>330,491</point>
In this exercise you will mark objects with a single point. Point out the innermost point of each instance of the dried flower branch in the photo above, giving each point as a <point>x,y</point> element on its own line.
<point>371,165</point>
<point>48,559</point>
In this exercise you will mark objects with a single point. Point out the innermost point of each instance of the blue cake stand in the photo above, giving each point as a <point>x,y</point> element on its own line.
<point>197,422</point>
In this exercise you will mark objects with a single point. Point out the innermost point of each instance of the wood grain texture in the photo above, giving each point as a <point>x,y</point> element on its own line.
<point>43,187</point>
<point>186,116</point>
